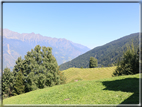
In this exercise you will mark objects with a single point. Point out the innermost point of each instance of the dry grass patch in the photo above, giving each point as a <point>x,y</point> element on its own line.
<point>73,74</point>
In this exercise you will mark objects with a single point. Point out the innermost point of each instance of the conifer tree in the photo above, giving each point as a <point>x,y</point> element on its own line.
<point>19,85</point>
<point>39,69</point>
<point>50,67</point>
<point>7,83</point>
<point>129,63</point>
<point>31,82</point>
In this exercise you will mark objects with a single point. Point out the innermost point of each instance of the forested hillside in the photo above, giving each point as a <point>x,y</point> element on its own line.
<point>106,55</point>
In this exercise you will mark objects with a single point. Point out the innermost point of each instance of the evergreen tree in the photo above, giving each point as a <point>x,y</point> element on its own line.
<point>50,67</point>
<point>20,66</point>
<point>41,80</point>
<point>19,85</point>
<point>93,62</point>
<point>137,61</point>
<point>31,82</point>
<point>7,83</point>
<point>39,69</point>
<point>129,63</point>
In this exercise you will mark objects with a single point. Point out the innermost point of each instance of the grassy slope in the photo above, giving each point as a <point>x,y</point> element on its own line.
<point>88,73</point>
<point>115,90</point>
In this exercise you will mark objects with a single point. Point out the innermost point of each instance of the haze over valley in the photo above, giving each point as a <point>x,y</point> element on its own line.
<point>16,45</point>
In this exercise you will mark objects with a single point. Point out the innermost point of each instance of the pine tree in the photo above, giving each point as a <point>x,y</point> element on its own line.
<point>19,85</point>
<point>31,82</point>
<point>93,62</point>
<point>129,63</point>
<point>41,80</point>
<point>51,67</point>
<point>7,83</point>
<point>39,68</point>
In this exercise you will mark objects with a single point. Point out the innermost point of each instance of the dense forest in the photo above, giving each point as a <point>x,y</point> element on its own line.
<point>107,55</point>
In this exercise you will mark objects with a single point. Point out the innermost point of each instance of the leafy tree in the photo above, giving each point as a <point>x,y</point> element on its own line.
<point>129,63</point>
<point>7,83</point>
<point>93,62</point>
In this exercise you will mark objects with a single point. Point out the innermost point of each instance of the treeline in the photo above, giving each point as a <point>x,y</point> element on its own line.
<point>38,69</point>
<point>106,55</point>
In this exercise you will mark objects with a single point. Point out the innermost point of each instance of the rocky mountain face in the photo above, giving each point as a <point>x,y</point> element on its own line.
<point>16,45</point>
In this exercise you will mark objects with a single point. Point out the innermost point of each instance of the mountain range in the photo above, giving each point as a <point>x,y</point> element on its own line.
<point>106,55</point>
<point>16,45</point>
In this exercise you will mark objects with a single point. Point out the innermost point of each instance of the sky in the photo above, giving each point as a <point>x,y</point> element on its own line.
<point>89,24</point>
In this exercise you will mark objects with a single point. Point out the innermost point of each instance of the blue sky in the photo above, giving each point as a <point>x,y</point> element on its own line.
<point>89,24</point>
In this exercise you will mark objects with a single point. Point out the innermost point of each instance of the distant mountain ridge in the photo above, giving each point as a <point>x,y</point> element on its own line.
<point>16,44</point>
<point>37,37</point>
<point>106,54</point>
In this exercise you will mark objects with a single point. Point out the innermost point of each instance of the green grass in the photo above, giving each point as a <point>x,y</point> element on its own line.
<point>114,90</point>
<point>73,74</point>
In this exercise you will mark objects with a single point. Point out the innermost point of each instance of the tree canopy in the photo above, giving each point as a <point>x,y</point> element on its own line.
<point>38,69</point>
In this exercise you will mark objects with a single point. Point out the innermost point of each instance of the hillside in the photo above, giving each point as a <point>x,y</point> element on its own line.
<point>16,45</point>
<point>114,90</point>
<point>77,74</point>
<point>106,54</point>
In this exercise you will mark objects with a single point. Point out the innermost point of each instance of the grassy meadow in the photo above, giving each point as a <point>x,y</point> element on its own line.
<point>74,74</point>
<point>94,88</point>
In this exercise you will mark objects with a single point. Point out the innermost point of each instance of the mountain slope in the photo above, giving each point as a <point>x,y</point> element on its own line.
<point>106,54</point>
<point>16,44</point>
